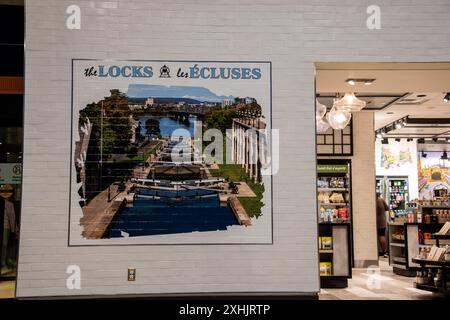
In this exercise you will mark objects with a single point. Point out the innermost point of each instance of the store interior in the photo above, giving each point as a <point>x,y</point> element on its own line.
<point>383,128</point>
<point>11,141</point>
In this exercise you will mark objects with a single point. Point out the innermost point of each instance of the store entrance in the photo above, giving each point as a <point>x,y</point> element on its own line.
<point>11,141</point>
<point>390,122</point>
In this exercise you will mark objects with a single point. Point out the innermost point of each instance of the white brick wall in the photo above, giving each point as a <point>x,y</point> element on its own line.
<point>293,34</point>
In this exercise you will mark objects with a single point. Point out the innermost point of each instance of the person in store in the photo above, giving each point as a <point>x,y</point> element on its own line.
<point>9,227</point>
<point>382,207</point>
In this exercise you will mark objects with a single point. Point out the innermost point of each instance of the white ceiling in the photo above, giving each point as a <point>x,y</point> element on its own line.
<point>435,107</point>
<point>430,79</point>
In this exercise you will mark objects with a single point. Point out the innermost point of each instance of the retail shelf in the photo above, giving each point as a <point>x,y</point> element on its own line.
<point>399,259</point>
<point>394,244</point>
<point>436,206</point>
<point>334,223</point>
<point>325,251</point>
<point>397,224</point>
<point>332,189</point>
<point>424,262</point>
<point>430,288</point>
<point>333,204</point>
<point>434,241</point>
<point>441,236</point>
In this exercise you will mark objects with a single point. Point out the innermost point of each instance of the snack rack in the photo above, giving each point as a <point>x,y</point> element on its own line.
<point>411,232</point>
<point>334,216</point>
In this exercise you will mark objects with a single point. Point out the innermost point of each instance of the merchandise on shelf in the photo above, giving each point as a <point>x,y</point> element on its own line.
<point>337,197</point>
<point>338,182</point>
<point>323,197</point>
<point>326,268</point>
<point>447,253</point>
<point>398,235</point>
<point>445,230</point>
<point>433,253</point>
<point>326,243</point>
<point>333,215</point>
<point>323,183</point>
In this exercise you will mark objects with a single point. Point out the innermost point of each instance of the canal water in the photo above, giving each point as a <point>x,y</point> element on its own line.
<point>168,125</point>
<point>171,212</point>
<point>170,215</point>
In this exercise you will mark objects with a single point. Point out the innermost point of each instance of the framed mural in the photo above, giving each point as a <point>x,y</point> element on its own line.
<point>170,152</point>
<point>434,176</point>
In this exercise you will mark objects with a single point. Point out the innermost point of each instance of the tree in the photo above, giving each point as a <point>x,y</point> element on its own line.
<point>152,126</point>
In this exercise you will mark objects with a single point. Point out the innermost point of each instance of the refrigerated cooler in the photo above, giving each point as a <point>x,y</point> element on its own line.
<point>395,190</point>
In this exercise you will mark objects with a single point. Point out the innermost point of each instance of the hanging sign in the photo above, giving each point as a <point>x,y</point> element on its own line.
<point>332,168</point>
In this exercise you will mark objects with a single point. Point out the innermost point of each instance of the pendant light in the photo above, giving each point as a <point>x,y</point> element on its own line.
<point>350,103</point>
<point>320,110</point>
<point>322,126</point>
<point>338,119</point>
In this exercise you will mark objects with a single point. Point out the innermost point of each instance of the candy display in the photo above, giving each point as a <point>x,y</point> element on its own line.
<point>326,268</point>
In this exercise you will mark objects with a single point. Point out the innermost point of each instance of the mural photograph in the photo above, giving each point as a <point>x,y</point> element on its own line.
<point>394,157</point>
<point>434,176</point>
<point>159,160</point>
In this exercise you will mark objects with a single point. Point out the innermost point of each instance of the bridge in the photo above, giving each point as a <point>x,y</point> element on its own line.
<point>182,113</point>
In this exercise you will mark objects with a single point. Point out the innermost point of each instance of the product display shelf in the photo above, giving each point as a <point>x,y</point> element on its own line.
<point>343,204</point>
<point>332,189</point>
<point>443,266</point>
<point>436,206</point>
<point>439,237</point>
<point>430,288</point>
<point>336,222</point>
<point>334,216</point>
<point>403,250</point>
<point>337,257</point>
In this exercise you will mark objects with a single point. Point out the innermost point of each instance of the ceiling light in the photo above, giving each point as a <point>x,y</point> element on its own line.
<point>398,139</point>
<point>409,139</point>
<point>444,156</point>
<point>447,97</point>
<point>366,82</point>
<point>447,139</point>
<point>435,139</point>
<point>385,141</point>
<point>338,119</point>
<point>379,135</point>
<point>421,140</point>
<point>424,155</point>
<point>322,126</point>
<point>399,124</point>
<point>320,110</point>
<point>349,103</point>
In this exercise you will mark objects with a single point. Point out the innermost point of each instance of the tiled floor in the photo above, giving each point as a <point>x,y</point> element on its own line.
<point>7,289</point>
<point>382,285</point>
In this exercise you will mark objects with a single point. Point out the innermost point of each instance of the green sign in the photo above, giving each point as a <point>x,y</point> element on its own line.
<point>10,173</point>
<point>332,168</point>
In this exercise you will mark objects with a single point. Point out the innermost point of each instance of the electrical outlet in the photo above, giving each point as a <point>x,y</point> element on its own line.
<point>131,274</point>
